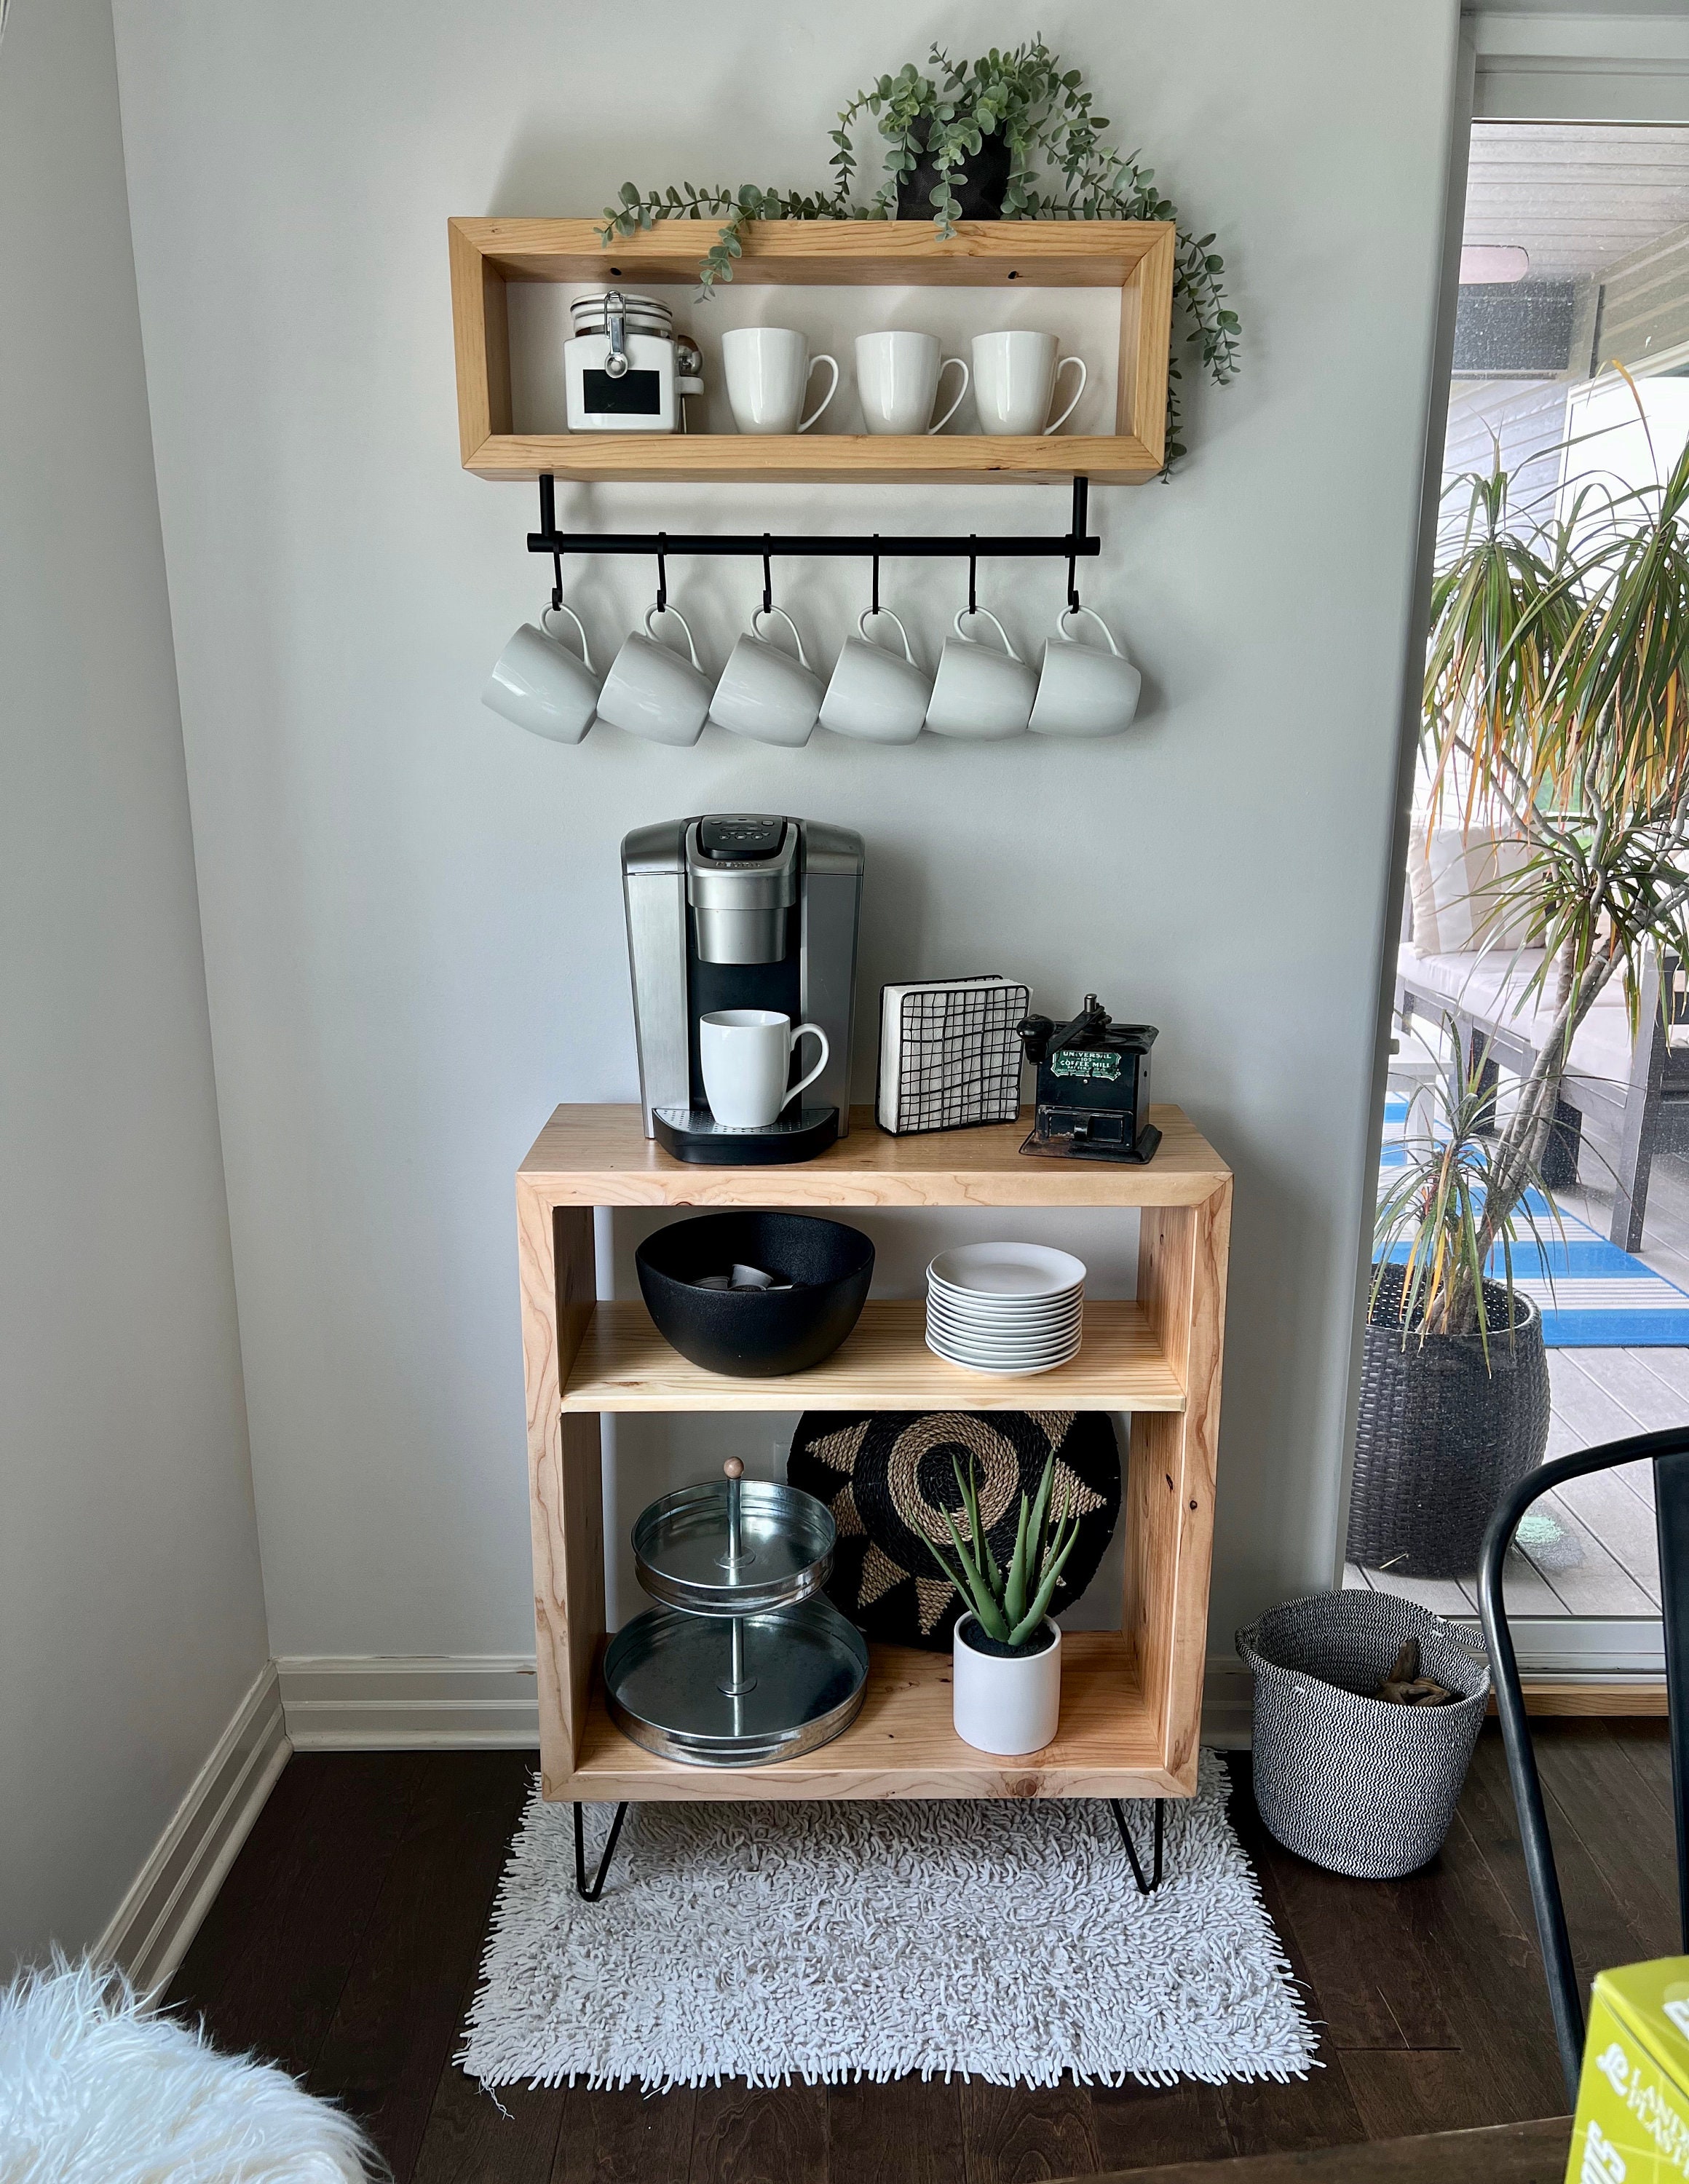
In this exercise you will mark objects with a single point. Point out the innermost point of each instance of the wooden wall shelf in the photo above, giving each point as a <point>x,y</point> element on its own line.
<point>1131,1704</point>
<point>1136,257</point>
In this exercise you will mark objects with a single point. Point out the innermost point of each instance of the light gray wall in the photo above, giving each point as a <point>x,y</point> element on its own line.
<point>131,1614</point>
<point>413,930</point>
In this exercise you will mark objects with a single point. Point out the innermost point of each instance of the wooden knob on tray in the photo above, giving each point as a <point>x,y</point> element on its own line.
<point>733,1468</point>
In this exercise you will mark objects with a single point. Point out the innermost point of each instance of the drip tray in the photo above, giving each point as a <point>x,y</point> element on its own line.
<point>693,1134</point>
<point>807,1668</point>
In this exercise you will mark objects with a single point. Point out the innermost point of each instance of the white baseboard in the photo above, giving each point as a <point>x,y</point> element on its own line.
<point>384,1703</point>
<point>374,1702</point>
<point>151,1929</point>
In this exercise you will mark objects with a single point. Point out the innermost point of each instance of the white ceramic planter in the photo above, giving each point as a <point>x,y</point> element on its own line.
<point>1006,1706</point>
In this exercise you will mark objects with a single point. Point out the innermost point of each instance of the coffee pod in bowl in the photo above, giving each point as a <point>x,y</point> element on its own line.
<point>981,695</point>
<point>652,691</point>
<point>874,694</point>
<point>543,685</point>
<point>1083,689</point>
<point>764,693</point>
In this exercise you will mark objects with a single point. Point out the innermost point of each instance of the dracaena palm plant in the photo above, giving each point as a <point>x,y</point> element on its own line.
<point>1010,1604</point>
<point>1556,707</point>
<point>1435,1205</point>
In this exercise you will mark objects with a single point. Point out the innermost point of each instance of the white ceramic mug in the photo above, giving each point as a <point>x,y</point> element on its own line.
<point>897,377</point>
<point>540,685</point>
<point>1014,378</point>
<point>981,693</point>
<point>767,371</point>
<point>764,693</point>
<point>746,1054</point>
<point>1083,690</point>
<point>651,691</point>
<point>873,695</point>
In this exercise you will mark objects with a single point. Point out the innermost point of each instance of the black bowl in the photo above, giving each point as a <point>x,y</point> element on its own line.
<point>756,1335</point>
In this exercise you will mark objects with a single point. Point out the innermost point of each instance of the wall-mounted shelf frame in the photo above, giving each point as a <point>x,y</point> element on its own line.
<point>1131,1699</point>
<point>1136,257</point>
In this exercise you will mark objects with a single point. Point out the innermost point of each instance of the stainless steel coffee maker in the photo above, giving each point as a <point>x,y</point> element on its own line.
<point>741,911</point>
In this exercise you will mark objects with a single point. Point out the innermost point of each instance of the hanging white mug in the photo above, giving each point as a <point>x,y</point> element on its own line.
<point>540,685</point>
<point>897,378</point>
<point>745,1055</point>
<point>873,695</point>
<point>652,692</point>
<point>1014,379</point>
<point>767,370</point>
<point>981,693</point>
<point>764,693</point>
<point>1083,690</point>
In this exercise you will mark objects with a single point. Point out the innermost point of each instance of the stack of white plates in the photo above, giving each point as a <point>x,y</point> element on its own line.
<point>1005,1307</point>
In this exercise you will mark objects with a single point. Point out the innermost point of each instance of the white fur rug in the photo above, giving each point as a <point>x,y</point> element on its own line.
<point>93,2091</point>
<point>997,1940</point>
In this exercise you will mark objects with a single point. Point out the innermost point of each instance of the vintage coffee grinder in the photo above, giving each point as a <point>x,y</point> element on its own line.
<point>741,911</point>
<point>1093,1100</point>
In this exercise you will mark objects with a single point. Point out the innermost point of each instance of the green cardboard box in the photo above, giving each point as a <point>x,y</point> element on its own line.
<point>1632,2124</point>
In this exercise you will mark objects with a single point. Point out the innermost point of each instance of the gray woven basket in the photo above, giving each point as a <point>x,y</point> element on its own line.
<point>1355,1784</point>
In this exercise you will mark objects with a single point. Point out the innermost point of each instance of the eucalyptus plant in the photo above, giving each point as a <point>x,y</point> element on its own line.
<point>1556,707</point>
<point>1060,168</point>
<point>1435,1204</point>
<point>1010,1604</point>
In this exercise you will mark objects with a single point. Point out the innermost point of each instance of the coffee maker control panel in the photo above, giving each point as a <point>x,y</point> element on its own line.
<point>741,838</point>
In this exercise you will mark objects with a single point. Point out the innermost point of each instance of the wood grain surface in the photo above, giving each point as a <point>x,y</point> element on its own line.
<point>599,1155</point>
<point>624,1364</point>
<point>902,1743</point>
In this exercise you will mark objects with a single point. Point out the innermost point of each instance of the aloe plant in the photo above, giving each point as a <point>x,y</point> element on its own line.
<point>1010,1604</point>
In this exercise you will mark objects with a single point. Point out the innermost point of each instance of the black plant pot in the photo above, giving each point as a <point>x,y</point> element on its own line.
<point>979,184</point>
<point>1442,1438</point>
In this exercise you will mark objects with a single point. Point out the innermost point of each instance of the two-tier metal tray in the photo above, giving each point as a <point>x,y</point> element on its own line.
<point>746,1660</point>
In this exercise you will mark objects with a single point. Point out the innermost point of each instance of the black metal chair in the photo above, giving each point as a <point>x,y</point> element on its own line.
<point>1669,1452</point>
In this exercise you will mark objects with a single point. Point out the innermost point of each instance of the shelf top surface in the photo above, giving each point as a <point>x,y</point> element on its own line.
<point>1038,252</point>
<point>624,1364</point>
<point>600,1155</point>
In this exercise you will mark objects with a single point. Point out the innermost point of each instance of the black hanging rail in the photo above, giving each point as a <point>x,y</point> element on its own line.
<point>1066,547</point>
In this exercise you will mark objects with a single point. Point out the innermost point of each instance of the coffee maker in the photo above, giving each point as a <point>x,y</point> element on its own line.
<point>740,911</point>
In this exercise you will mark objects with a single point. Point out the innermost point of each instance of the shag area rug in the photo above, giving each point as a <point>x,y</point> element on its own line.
<point>1001,1940</point>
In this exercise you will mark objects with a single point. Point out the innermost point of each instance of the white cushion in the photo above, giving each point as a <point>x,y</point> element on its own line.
<point>1457,878</point>
<point>1493,986</point>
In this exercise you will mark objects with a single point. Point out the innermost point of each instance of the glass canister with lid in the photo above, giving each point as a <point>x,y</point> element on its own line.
<point>626,368</point>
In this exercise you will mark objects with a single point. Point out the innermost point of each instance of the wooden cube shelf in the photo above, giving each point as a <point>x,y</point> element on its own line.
<point>1131,1704</point>
<point>1136,257</point>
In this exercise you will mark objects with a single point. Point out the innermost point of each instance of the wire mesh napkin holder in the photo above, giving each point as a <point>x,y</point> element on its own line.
<point>949,1054</point>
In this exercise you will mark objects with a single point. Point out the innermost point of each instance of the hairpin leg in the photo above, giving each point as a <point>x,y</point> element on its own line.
<point>1145,1888</point>
<point>592,1895</point>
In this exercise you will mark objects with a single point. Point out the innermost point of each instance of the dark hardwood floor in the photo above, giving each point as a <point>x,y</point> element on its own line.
<point>346,1939</point>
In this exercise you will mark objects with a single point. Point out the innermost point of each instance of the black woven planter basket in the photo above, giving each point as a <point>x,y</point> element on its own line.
<point>1442,1437</point>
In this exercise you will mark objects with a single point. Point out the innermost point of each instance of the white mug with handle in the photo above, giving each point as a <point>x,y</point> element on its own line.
<point>1014,380</point>
<point>897,378</point>
<point>981,695</point>
<point>746,1055</point>
<point>768,370</point>
<point>654,692</point>
<point>543,687</point>
<point>1083,690</point>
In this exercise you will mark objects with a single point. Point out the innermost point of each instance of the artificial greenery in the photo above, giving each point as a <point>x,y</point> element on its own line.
<point>1059,168</point>
<point>1010,1604</point>
<point>1435,1204</point>
<point>1556,708</point>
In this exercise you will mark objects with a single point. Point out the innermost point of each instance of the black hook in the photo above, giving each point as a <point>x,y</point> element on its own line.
<point>767,585</point>
<point>662,579</point>
<point>556,581</point>
<point>875,609</point>
<point>972,597</point>
<point>1072,584</point>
